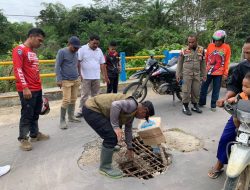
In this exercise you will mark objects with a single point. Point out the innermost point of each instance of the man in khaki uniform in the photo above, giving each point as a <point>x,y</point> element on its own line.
<point>191,67</point>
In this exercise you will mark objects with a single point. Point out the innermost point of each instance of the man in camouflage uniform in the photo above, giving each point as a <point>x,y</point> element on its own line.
<point>191,67</point>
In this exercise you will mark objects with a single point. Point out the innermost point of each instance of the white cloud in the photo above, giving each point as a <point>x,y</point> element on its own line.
<point>32,8</point>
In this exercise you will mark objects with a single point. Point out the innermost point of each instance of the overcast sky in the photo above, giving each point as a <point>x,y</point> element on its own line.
<point>32,8</point>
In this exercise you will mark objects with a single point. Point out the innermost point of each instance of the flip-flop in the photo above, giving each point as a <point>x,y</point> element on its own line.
<point>213,174</point>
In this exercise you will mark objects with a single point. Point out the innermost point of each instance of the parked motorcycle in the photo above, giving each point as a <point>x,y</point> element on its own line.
<point>238,169</point>
<point>162,78</point>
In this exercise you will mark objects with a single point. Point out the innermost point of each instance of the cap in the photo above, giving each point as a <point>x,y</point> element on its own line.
<point>150,107</point>
<point>75,42</point>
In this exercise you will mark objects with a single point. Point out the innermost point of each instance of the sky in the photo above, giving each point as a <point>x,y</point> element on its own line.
<point>32,8</point>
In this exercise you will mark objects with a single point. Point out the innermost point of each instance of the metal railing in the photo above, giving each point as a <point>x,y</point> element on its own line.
<point>123,63</point>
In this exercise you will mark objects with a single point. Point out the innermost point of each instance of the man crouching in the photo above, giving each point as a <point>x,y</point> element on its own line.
<point>105,113</point>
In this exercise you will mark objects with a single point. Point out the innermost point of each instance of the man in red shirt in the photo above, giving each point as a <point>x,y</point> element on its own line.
<point>29,87</point>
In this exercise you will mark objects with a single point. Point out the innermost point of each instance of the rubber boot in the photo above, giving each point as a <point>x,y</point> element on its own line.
<point>196,108</point>
<point>71,117</point>
<point>106,164</point>
<point>185,109</point>
<point>63,124</point>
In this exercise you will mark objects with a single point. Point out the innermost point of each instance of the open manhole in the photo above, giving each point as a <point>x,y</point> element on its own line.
<point>147,162</point>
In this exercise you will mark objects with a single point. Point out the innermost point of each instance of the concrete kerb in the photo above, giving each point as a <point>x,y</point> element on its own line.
<point>11,98</point>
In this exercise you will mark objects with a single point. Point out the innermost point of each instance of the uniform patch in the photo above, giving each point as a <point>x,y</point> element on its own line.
<point>20,52</point>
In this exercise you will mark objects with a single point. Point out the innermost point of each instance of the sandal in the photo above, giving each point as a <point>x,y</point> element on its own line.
<point>213,173</point>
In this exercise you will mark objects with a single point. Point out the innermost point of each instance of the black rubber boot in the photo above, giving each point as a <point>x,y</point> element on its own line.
<point>106,164</point>
<point>185,109</point>
<point>196,108</point>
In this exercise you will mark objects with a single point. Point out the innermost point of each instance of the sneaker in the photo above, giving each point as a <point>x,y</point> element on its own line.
<point>213,109</point>
<point>40,137</point>
<point>186,110</point>
<point>78,115</point>
<point>25,145</point>
<point>4,169</point>
<point>196,109</point>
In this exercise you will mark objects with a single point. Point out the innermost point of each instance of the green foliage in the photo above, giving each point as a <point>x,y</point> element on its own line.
<point>137,26</point>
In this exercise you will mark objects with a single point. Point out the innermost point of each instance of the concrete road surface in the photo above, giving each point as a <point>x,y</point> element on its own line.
<point>53,164</point>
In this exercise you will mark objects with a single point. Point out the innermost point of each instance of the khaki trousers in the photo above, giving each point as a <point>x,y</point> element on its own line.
<point>89,87</point>
<point>191,87</point>
<point>70,91</point>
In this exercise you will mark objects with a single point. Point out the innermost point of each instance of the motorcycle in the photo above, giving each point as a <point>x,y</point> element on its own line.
<point>238,169</point>
<point>162,78</point>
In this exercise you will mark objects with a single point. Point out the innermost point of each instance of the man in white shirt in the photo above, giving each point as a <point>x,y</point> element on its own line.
<point>90,63</point>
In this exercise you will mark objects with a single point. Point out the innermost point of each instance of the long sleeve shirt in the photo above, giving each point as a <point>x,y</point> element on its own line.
<point>26,69</point>
<point>127,106</point>
<point>66,65</point>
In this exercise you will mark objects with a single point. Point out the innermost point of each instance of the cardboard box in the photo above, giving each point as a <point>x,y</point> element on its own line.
<point>151,135</point>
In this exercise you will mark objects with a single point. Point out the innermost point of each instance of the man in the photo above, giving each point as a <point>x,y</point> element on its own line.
<point>229,134</point>
<point>67,78</point>
<point>113,67</point>
<point>191,67</point>
<point>217,58</point>
<point>105,113</point>
<point>242,57</point>
<point>90,62</point>
<point>29,87</point>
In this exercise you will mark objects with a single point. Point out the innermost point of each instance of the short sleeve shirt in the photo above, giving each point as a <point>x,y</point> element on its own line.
<point>90,61</point>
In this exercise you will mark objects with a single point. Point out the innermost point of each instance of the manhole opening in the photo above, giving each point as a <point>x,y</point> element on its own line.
<point>146,163</point>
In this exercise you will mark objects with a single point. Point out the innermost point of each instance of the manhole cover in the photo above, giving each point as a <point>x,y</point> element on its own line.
<point>146,163</point>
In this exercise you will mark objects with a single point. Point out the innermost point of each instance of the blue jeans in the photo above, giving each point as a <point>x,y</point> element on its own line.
<point>216,90</point>
<point>30,111</point>
<point>228,135</point>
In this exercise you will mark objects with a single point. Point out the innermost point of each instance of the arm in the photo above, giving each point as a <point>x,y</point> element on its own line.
<point>17,56</point>
<point>203,67</point>
<point>127,106</point>
<point>227,61</point>
<point>104,73</point>
<point>79,69</point>
<point>179,66</point>
<point>58,65</point>
<point>233,86</point>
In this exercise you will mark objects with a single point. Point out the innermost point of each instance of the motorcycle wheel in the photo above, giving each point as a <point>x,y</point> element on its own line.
<point>239,183</point>
<point>178,94</point>
<point>133,90</point>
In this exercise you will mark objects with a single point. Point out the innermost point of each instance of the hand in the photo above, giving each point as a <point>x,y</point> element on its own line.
<point>26,93</point>
<point>59,84</point>
<point>224,77</point>
<point>204,78</point>
<point>220,102</point>
<point>106,79</point>
<point>178,79</point>
<point>232,100</point>
<point>129,155</point>
<point>118,133</point>
<point>119,68</point>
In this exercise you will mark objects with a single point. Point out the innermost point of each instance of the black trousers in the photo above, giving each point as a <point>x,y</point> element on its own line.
<point>101,126</point>
<point>30,110</point>
<point>113,85</point>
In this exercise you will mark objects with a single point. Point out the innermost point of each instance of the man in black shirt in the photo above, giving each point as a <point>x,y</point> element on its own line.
<point>229,133</point>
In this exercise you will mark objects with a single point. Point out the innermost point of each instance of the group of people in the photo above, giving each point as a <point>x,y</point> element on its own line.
<point>196,66</point>
<point>106,113</point>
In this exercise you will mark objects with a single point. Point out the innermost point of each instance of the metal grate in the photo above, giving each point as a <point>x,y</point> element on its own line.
<point>146,164</point>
